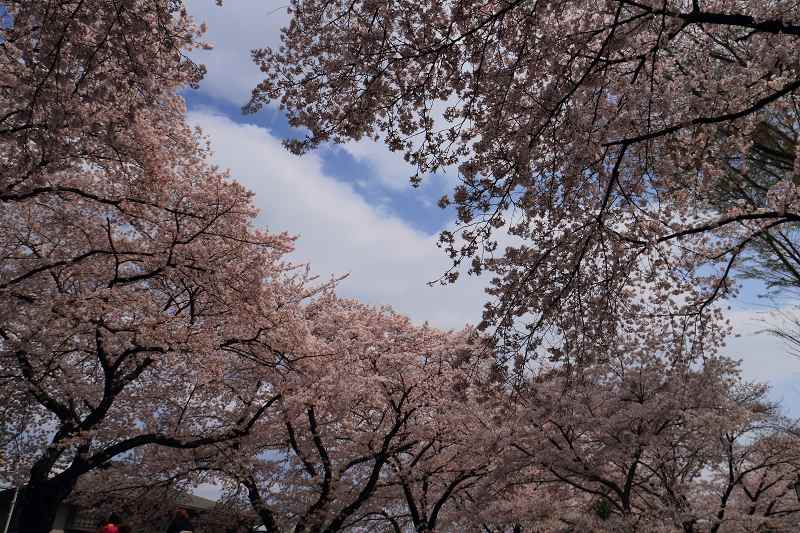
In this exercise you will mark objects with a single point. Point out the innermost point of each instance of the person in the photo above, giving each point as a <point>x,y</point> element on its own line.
<point>110,525</point>
<point>105,527</point>
<point>180,522</point>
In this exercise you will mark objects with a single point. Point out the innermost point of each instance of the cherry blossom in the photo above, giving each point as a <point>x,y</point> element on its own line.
<point>595,132</point>
<point>141,306</point>
<point>376,407</point>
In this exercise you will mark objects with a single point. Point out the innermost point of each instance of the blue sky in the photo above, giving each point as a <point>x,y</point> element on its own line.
<point>354,210</point>
<point>353,165</point>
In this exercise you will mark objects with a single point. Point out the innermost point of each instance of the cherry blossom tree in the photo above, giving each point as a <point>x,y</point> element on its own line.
<point>146,321</point>
<point>76,76</point>
<point>146,486</point>
<point>596,132</point>
<point>753,488</point>
<point>429,487</point>
<point>372,399</point>
<point>643,445</point>
<point>435,478</point>
<point>166,329</point>
<point>140,304</point>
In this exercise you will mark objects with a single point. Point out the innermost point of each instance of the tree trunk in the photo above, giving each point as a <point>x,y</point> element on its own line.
<point>38,505</point>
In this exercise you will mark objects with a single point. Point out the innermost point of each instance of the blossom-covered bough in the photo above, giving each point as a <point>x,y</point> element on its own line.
<point>375,407</point>
<point>644,445</point>
<point>596,132</point>
<point>140,306</point>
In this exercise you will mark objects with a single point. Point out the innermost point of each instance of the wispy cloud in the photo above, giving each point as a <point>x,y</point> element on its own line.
<point>340,232</point>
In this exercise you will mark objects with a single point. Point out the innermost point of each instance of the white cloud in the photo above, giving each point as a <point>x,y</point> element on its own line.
<point>390,168</point>
<point>389,262</point>
<point>764,357</point>
<point>235,29</point>
<point>242,25</point>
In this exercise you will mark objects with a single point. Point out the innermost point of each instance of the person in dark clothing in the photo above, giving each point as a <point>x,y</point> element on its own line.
<point>180,522</point>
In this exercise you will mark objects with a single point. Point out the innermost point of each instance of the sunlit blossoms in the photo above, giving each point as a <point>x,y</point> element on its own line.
<point>598,133</point>
<point>136,293</point>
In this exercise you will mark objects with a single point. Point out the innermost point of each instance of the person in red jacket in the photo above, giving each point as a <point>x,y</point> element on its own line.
<point>110,525</point>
